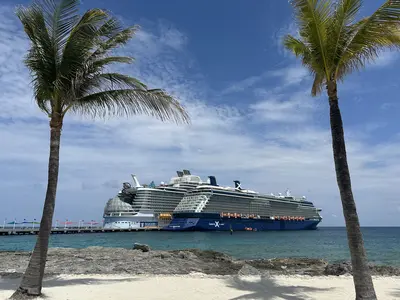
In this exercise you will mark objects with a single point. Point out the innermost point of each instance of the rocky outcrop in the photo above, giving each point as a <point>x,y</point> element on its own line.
<point>337,269</point>
<point>142,247</point>
<point>343,268</point>
<point>248,270</point>
<point>103,260</point>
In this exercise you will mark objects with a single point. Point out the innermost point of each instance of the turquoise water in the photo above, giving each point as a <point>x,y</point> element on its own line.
<point>383,244</point>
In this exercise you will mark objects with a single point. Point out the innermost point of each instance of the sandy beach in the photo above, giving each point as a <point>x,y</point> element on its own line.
<point>200,286</point>
<point>115,273</point>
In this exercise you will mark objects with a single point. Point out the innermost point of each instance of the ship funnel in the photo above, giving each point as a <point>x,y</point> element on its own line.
<point>180,173</point>
<point>136,183</point>
<point>213,180</point>
<point>237,184</point>
<point>186,172</point>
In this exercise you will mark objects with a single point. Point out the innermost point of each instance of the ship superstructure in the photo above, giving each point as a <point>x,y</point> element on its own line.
<point>212,207</point>
<point>139,205</point>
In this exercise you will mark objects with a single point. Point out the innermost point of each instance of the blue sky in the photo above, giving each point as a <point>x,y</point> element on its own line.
<point>253,118</point>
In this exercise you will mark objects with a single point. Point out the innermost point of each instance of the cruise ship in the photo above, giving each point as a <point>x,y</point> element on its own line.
<point>139,205</point>
<point>214,208</point>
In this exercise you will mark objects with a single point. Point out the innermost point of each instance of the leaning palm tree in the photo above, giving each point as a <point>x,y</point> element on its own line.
<point>68,59</point>
<point>332,44</point>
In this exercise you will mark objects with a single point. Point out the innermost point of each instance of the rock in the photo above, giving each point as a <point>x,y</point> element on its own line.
<point>248,270</point>
<point>107,260</point>
<point>211,255</point>
<point>337,269</point>
<point>343,268</point>
<point>143,247</point>
<point>384,270</point>
<point>165,255</point>
<point>288,264</point>
<point>186,255</point>
<point>182,255</point>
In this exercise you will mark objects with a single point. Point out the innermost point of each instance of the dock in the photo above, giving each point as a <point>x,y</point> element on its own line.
<point>72,230</point>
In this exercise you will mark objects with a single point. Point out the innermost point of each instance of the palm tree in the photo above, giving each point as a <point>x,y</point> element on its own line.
<point>68,58</point>
<point>332,44</point>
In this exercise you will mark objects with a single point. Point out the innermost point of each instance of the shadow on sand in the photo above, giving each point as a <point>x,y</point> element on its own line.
<point>396,294</point>
<point>265,288</point>
<point>54,281</point>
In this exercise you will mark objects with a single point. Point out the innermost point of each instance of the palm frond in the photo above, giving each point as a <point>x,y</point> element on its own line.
<point>101,63</point>
<point>96,34</point>
<point>68,58</point>
<point>115,80</point>
<point>60,18</point>
<point>120,102</point>
<point>314,17</point>
<point>40,57</point>
<point>119,39</point>
<point>344,15</point>
<point>319,80</point>
<point>369,36</point>
<point>300,49</point>
<point>82,39</point>
<point>87,85</point>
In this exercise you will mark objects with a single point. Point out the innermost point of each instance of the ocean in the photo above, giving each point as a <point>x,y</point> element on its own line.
<point>329,243</point>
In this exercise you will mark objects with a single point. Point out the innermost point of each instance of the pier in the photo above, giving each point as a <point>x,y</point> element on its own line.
<point>72,230</point>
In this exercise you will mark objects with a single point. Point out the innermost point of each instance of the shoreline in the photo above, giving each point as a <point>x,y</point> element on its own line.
<point>122,261</point>
<point>202,286</point>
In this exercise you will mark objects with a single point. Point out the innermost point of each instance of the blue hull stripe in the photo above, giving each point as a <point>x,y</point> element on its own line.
<point>226,224</point>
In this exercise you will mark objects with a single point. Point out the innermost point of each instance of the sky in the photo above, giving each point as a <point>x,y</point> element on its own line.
<point>252,114</point>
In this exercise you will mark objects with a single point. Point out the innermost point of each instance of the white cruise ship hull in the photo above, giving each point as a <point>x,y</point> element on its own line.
<point>134,221</point>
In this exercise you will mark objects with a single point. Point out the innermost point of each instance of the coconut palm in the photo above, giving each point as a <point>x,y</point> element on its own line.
<point>332,44</point>
<point>68,58</point>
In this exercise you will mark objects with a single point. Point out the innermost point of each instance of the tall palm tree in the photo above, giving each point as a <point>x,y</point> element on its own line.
<point>332,44</point>
<point>68,59</point>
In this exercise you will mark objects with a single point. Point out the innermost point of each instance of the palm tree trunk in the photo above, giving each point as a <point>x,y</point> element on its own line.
<point>361,274</point>
<point>31,284</point>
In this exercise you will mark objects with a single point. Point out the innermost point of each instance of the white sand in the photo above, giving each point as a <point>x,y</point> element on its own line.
<point>197,286</point>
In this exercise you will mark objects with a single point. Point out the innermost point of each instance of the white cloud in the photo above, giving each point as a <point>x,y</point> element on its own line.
<point>243,84</point>
<point>292,75</point>
<point>277,38</point>
<point>293,108</point>
<point>289,75</point>
<point>385,59</point>
<point>287,149</point>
